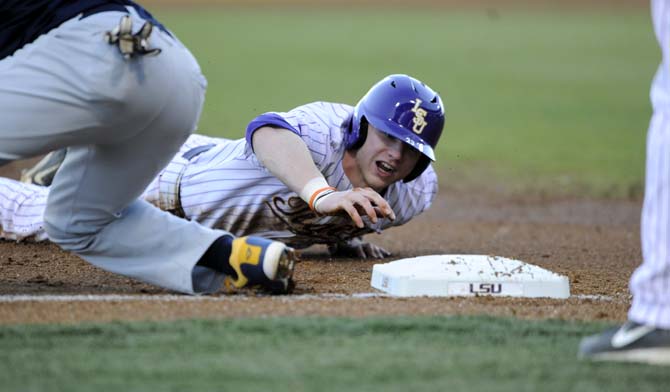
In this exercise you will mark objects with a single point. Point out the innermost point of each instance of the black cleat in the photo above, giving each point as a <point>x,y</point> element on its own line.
<point>632,342</point>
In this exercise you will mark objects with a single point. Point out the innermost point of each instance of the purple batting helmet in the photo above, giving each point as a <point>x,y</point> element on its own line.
<point>404,108</point>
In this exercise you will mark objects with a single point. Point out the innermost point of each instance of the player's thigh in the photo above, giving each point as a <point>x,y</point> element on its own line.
<point>96,182</point>
<point>168,85</point>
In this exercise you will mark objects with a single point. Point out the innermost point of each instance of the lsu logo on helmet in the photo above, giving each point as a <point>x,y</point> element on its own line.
<point>419,119</point>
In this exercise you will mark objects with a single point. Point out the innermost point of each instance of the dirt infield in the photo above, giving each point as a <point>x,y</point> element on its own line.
<point>594,242</point>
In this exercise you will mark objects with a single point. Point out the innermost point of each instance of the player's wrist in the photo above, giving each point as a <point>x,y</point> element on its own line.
<point>315,191</point>
<point>321,197</point>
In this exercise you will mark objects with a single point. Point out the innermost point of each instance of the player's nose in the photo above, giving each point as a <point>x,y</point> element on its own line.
<point>396,149</point>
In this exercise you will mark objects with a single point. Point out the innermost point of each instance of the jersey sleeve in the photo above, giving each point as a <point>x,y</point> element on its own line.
<point>408,200</point>
<point>318,124</point>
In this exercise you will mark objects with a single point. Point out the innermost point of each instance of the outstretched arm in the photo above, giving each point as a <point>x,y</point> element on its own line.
<point>287,157</point>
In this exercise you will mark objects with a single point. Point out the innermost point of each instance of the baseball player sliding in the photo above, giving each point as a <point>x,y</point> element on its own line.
<point>322,173</point>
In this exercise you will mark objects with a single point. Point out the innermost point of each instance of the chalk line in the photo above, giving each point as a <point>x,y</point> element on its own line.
<point>172,297</point>
<point>223,298</point>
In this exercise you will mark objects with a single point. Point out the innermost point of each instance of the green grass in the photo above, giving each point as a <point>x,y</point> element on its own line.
<point>310,354</point>
<point>548,99</point>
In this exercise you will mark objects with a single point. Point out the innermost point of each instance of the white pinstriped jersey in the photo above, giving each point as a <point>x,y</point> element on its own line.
<point>21,210</point>
<point>226,187</point>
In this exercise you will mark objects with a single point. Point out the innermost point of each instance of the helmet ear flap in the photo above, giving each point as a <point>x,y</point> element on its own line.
<point>358,140</point>
<point>420,166</point>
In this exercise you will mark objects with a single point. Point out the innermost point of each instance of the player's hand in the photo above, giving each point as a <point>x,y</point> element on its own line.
<point>358,248</point>
<point>356,203</point>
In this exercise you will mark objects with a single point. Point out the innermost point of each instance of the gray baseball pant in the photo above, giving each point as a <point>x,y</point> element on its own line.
<point>122,121</point>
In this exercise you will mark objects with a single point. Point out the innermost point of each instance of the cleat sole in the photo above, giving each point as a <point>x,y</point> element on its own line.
<point>283,283</point>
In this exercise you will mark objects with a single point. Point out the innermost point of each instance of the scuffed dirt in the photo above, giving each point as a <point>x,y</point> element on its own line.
<point>594,242</point>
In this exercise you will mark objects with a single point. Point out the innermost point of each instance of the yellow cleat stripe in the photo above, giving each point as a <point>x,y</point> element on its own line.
<point>243,253</point>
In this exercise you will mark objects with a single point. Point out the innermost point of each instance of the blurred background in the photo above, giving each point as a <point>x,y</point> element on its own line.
<point>542,97</point>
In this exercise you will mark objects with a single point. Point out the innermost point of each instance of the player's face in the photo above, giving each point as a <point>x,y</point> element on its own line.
<point>383,160</point>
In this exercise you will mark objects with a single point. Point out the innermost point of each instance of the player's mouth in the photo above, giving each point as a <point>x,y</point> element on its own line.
<point>384,169</point>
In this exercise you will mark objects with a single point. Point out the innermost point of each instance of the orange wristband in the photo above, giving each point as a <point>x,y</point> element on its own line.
<point>317,193</point>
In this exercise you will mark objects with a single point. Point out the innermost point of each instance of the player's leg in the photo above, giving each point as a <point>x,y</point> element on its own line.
<point>650,284</point>
<point>92,208</point>
<point>21,210</point>
<point>646,336</point>
<point>125,120</point>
